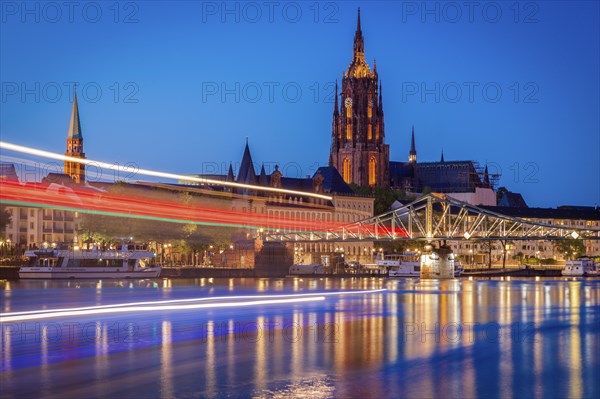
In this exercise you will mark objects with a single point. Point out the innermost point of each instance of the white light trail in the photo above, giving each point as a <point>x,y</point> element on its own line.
<point>216,298</point>
<point>155,308</point>
<point>52,155</point>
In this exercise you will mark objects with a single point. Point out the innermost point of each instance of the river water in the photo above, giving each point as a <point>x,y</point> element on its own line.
<point>310,338</point>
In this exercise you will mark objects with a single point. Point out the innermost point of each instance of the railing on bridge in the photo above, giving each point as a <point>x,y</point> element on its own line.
<point>436,217</point>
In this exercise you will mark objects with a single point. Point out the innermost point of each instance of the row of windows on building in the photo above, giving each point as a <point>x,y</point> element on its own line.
<point>523,247</point>
<point>568,222</point>
<point>352,250</point>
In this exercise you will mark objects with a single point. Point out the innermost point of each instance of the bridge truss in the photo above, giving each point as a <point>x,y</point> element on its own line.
<point>436,217</point>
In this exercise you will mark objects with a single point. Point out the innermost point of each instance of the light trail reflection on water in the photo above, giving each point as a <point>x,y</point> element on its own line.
<point>463,338</point>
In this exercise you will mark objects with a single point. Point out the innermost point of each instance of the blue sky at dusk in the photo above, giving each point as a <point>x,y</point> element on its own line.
<point>512,84</point>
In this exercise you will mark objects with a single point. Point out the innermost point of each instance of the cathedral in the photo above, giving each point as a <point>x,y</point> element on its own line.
<point>361,156</point>
<point>358,149</point>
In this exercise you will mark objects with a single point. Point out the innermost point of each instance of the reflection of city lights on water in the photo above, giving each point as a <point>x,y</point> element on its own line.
<point>158,305</point>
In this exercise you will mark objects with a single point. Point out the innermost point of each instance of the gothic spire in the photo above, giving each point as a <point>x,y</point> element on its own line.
<point>412,154</point>
<point>247,174</point>
<point>74,124</point>
<point>442,159</point>
<point>262,178</point>
<point>230,173</point>
<point>486,176</point>
<point>359,44</point>
<point>335,107</point>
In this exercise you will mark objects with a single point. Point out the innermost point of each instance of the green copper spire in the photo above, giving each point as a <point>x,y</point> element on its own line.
<point>74,124</point>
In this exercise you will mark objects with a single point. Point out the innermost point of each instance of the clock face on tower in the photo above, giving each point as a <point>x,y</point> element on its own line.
<point>348,102</point>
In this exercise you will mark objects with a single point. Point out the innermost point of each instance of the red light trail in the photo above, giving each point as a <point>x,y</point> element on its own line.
<point>93,201</point>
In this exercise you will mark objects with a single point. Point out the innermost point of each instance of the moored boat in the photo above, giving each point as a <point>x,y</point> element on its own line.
<point>403,265</point>
<point>581,267</point>
<point>124,261</point>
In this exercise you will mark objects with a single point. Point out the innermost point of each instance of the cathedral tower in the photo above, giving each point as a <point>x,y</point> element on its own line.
<point>412,154</point>
<point>358,149</point>
<point>75,146</point>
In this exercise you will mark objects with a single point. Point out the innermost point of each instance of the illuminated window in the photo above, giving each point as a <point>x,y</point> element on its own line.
<point>377,132</point>
<point>370,132</point>
<point>348,132</point>
<point>372,171</point>
<point>347,170</point>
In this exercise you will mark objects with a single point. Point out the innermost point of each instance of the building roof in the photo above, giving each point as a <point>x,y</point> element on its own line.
<point>332,181</point>
<point>58,178</point>
<point>8,172</point>
<point>297,184</point>
<point>513,200</point>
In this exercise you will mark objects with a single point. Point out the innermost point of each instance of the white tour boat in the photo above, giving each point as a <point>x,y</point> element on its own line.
<point>125,261</point>
<point>403,265</point>
<point>581,267</point>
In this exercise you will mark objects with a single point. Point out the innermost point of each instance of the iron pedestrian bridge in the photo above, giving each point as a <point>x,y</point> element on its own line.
<point>436,217</point>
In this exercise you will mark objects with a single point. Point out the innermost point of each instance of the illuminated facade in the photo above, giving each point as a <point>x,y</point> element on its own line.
<point>474,252</point>
<point>282,211</point>
<point>358,148</point>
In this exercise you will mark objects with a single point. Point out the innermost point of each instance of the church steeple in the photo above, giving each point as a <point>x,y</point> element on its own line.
<point>359,43</point>
<point>75,145</point>
<point>358,67</point>
<point>358,149</point>
<point>442,158</point>
<point>412,154</point>
<point>75,124</point>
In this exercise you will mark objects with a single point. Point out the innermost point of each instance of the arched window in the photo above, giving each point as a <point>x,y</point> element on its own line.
<point>372,171</point>
<point>349,131</point>
<point>347,170</point>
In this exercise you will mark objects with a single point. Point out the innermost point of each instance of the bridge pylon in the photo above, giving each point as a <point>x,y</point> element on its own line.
<point>437,263</point>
